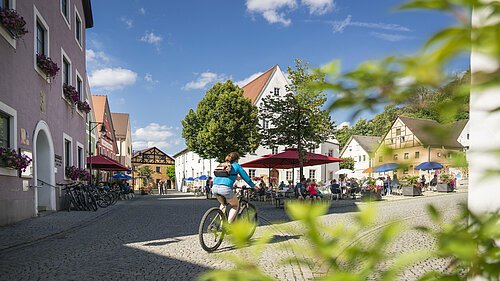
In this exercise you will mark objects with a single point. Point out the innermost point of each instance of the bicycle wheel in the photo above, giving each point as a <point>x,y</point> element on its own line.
<point>211,231</point>
<point>248,213</point>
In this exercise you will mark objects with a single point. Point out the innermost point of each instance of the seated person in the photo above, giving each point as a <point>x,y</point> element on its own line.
<point>312,192</point>
<point>335,188</point>
<point>301,189</point>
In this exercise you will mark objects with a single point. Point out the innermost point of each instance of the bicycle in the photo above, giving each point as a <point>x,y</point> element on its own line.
<point>212,230</point>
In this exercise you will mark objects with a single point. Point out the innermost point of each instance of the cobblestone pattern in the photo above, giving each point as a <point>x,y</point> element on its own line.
<point>155,238</point>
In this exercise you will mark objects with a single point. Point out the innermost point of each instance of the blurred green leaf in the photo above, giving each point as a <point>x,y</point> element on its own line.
<point>434,213</point>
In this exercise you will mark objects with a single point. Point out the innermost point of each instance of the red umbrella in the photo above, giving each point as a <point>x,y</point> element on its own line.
<point>289,159</point>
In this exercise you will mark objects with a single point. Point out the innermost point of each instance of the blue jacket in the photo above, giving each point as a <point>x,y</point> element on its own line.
<point>235,171</point>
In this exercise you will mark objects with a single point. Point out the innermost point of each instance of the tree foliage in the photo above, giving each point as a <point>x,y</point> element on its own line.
<point>145,172</point>
<point>224,121</point>
<point>348,163</point>
<point>296,119</point>
<point>171,172</point>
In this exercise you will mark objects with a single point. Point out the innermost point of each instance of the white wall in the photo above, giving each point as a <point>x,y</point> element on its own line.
<point>357,152</point>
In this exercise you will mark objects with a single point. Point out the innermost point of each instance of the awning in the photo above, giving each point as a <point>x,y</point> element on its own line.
<point>103,163</point>
<point>289,159</point>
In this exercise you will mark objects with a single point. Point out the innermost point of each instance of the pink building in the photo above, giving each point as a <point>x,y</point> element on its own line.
<point>37,117</point>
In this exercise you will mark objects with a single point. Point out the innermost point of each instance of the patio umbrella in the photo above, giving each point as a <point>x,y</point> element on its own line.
<point>121,176</point>
<point>386,167</point>
<point>289,159</point>
<point>428,166</point>
<point>344,171</point>
<point>190,179</point>
<point>202,177</point>
<point>368,170</point>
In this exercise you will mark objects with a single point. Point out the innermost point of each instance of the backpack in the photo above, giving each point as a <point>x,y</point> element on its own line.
<point>223,169</point>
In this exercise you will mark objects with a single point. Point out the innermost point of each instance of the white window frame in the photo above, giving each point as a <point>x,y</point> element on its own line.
<point>70,82</point>
<point>4,31</point>
<point>265,124</point>
<point>312,174</point>
<point>67,20</point>
<point>37,17</point>
<point>81,92</point>
<point>12,135</point>
<point>79,42</point>
<point>289,175</point>
<point>276,91</point>
<point>251,173</point>
<point>71,163</point>
<point>82,158</point>
<point>274,150</point>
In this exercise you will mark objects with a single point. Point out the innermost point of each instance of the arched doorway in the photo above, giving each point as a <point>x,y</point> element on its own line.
<point>43,163</point>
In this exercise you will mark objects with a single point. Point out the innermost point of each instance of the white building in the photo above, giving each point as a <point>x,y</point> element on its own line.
<point>272,82</point>
<point>361,149</point>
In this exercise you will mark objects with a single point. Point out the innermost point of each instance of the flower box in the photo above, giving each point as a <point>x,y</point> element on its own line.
<point>83,106</point>
<point>371,195</point>
<point>46,65</point>
<point>9,158</point>
<point>444,187</point>
<point>71,94</point>
<point>13,22</point>
<point>75,173</point>
<point>412,191</point>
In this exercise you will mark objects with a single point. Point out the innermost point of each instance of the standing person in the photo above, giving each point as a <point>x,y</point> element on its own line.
<point>208,189</point>
<point>166,185</point>
<point>223,185</point>
<point>422,181</point>
<point>389,184</point>
<point>160,184</point>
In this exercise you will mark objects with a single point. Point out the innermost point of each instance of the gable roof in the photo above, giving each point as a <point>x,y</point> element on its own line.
<point>99,103</point>
<point>432,133</point>
<point>368,143</point>
<point>254,88</point>
<point>151,155</point>
<point>120,123</point>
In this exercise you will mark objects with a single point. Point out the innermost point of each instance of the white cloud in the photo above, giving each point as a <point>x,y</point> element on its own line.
<point>112,78</point>
<point>270,9</point>
<point>390,37</point>
<point>247,80</point>
<point>128,22</point>
<point>96,59</point>
<point>339,26</point>
<point>142,11</point>
<point>151,38</point>
<point>149,78</point>
<point>319,7</point>
<point>204,79</point>
<point>154,134</point>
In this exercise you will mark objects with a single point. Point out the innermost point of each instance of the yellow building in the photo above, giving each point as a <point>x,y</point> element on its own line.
<point>157,161</point>
<point>411,141</point>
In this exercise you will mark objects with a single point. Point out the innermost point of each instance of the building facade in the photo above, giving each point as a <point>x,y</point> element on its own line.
<point>158,162</point>
<point>271,82</point>
<point>412,141</point>
<point>361,149</point>
<point>121,122</point>
<point>36,118</point>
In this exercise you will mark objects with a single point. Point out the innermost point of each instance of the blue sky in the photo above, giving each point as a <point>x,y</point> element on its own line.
<point>155,59</point>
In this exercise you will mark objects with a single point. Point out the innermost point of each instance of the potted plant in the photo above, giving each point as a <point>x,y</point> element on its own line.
<point>71,94</point>
<point>445,183</point>
<point>75,173</point>
<point>83,106</point>
<point>412,186</point>
<point>46,65</point>
<point>371,191</point>
<point>9,158</point>
<point>13,22</point>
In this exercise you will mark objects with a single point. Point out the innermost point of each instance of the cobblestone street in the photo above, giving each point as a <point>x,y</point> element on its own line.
<point>155,238</point>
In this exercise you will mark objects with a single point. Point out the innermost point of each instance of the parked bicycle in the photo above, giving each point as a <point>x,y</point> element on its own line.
<point>213,224</point>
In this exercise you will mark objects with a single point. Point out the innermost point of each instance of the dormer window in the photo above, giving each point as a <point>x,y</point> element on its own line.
<point>276,91</point>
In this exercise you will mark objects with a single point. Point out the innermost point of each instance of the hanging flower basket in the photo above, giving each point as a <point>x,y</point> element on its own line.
<point>9,158</point>
<point>83,106</point>
<point>45,64</point>
<point>71,94</point>
<point>13,22</point>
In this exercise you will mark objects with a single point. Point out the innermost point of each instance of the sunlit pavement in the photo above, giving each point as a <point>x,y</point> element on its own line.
<point>155,238</point>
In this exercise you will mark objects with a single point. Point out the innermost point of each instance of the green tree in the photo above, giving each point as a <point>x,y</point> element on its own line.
<point>145,172</point>
<point>224,121</point>
<point>382,122</point>
<point>363,127</point>
<point>296,119</point>
<point>171,172</point>
<point>343,134</point>
<point>348,163</point>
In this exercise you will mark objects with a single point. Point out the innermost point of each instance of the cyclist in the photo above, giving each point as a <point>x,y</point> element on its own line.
<point>224,185</point>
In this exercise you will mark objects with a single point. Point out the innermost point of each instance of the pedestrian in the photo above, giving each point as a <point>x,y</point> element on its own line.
<point>388,185</point>
<point>160,184</point>
<point>208,188</point>
<point>422,181</point>
<point>166,185</point>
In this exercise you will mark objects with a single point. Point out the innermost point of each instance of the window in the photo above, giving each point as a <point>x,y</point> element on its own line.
<point>41,36</point>
<point>289,175</point>
<point>406,155</point>
<point>78,28</point>
<point>4,130</point>
<point>274,150</point>
<point>398,132</point>
<point>266,124</point>
<point>449,155</point>
<point>4,4</point>
<point>276,91</point>
<point>364,158</point>
<point>158,169</point>
<point>67,153</point>
<point>311,150</point>
<point>80,157</point>
<point>467,136</point>
<point>405,171</point>
<point>359,158</point>
<point>65,9</point>
<point>66,71</point>
<point>330,175</point>
<point>417,154</point>
<point>312,174</point>
<point>395,157</point>
<point>251,173</point>
<point>380,159</point>
<point>79,87</point>
<point>330,152</point>
<point>402,139</point>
